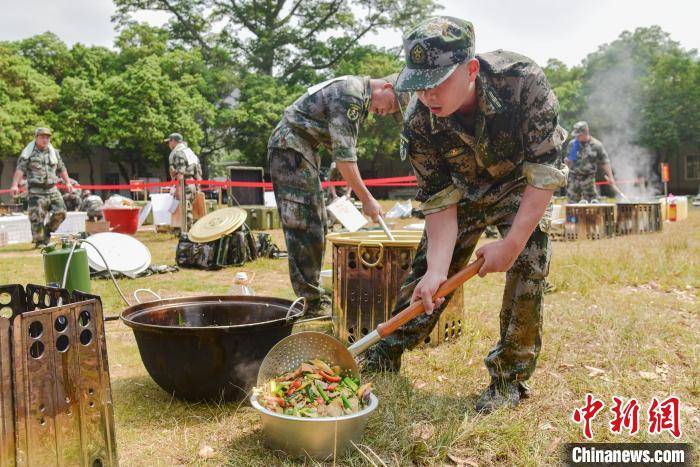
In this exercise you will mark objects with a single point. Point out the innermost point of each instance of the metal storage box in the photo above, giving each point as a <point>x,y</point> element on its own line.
<point>368,270</point>
<point>589,221</point>
<point>262,217</point>
<point>634,218</point>
<point>245,195</point>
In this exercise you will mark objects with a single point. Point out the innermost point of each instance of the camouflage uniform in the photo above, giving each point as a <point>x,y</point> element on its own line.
<point>589,157</point>
<point>178,163</point>
<point>482,165</point>
<point>93,206</point>
<point>41,169</point>
<point>327,115</point>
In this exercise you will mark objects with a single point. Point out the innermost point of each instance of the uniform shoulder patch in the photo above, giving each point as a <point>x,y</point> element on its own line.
<point>354,112</point>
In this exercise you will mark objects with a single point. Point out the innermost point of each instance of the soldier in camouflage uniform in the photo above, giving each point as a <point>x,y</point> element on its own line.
<point>483,138</point>
<point>92,205</point>
<point>41,163</point>
<point>72,199</point>
<point>584,155</point>
<point>328,115</point>
<point>184,164</point>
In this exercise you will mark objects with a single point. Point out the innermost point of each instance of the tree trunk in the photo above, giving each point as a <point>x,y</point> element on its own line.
<point>92,167</point>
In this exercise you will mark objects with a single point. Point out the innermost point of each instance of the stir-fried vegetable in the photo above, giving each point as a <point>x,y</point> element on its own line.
<point>314,390</point>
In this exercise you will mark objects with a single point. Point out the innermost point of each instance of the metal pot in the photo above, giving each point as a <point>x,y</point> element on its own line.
<point>318,438</point>
<point>209,347</point>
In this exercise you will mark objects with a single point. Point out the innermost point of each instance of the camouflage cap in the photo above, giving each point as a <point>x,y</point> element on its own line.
<point>433,50</point>
<point>175,136</point>
<point>579,128</point>
<point>42,131</point>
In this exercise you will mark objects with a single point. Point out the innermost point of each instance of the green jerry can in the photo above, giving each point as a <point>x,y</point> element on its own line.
<point>55,259</point>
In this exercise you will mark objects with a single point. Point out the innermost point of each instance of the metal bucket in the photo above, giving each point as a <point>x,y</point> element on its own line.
<point>589,221</point>
<point>368,270</point>
<point>636,218</point>
<point>318,438</point>
<point>209,347</point>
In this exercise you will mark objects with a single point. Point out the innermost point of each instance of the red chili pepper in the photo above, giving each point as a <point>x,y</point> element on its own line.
<point>293,387</point>
<point>319,400</point>
<point>280,401</point>
<point>329,378</point>
<point>331,387</point>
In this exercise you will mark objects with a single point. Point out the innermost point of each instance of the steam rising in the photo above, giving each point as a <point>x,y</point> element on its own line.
<point>616,124</point>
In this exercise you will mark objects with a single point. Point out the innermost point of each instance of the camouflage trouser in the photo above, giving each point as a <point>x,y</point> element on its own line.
<point>302,211</point>
<point>71,201</point>
<point>41,204</point>
<point>579,188</point>
<point>190,192</point>
<point>95,215</point>
<point>515,355</point>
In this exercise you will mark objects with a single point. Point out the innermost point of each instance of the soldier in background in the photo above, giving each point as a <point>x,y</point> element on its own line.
<point>72,199</point>
<point>482,135</point>
<point>41,163</point>
<point>584,155</point>
<point>92,205</point>
<point>184,164</point>
<point>328,115</point>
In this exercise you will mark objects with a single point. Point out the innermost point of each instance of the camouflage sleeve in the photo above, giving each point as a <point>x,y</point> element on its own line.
<point>542,136</point>
<point>343,126</point>
<point>60,166</point>
<point>178,162</point>
<point>436,191</point>
<point>603,155</point>
<point>22,164</point>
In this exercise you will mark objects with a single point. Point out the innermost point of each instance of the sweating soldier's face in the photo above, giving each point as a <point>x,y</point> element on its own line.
<point>455,93</point>
<point>583,137</point>
<point>383,101</point>
<point>42,141</point>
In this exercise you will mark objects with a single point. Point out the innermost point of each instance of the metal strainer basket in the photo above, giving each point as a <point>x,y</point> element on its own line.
<point>319,438</point>
<point>326,438</point>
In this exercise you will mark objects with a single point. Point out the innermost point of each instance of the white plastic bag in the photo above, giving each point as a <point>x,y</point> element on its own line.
<point>400,210</point>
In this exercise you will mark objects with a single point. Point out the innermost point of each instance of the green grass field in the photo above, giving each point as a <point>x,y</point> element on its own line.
<point>624,320</point>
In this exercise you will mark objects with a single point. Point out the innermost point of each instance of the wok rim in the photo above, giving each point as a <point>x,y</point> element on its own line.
<point>373,405</point>
<point>125,315</point>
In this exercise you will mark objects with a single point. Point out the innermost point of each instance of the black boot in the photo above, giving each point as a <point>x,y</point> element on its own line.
<point>379,360</point>
<point>500,393</point>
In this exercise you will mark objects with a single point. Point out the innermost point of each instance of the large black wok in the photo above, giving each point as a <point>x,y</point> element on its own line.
<point>209,347</point>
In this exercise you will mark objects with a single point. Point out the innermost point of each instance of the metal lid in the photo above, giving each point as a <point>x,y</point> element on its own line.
<point>123,253</point>
<point>215,225</point>
<point>401,237</point>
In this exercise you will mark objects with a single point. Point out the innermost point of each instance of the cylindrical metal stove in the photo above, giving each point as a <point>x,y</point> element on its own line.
<point>636,218</point>
<point>368,270</point>
<point>589,221</point>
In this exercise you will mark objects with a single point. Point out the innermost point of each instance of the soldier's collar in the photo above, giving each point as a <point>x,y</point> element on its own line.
<point>487,99</point>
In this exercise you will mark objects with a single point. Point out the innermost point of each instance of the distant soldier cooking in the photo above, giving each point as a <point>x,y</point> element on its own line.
<point>584,155</point>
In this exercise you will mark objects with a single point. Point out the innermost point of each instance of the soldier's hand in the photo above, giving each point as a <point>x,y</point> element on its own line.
<point>499,256</point>
<point>69,187</point>
<point>426,288</point>
<point>14,190</point>
<point>372,209</point>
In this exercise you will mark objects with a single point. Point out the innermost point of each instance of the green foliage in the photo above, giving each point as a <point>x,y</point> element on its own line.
<point>260,104</point>
<point>27,98</point>
<point>283,38</point>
